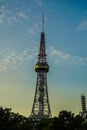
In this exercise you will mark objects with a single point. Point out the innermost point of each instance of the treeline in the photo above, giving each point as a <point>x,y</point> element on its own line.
<point>64,121</point>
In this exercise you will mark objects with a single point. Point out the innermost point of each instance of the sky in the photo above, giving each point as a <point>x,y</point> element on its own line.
<point>66,46</point>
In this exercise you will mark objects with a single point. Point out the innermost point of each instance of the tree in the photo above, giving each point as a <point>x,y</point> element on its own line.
<point>66,120</point>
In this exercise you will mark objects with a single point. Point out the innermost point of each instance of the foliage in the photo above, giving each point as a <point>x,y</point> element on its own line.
<point>65,121</point>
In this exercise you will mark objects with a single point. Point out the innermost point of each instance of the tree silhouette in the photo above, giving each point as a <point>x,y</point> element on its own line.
<point>65,120</point>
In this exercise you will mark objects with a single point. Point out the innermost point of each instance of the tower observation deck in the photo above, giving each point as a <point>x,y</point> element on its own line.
<point>41,105</point>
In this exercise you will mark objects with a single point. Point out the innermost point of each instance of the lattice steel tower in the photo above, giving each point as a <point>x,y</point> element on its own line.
<point>41,106</point>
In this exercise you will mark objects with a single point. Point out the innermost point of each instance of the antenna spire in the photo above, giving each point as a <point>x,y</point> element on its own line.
<point>43,22</point>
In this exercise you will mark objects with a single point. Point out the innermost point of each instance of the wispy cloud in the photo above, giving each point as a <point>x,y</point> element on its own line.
<point>22,15</point>
<point>9,17</point>
<point>82,26</point>
<point>39,2</point>
<point>34,29</point>
<point>11,59</point>
<point>59,57</point>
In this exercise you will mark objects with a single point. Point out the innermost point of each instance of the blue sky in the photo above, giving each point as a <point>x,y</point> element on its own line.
<point>66,44</point>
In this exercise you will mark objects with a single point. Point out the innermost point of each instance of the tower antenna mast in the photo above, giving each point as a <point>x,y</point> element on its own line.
<point>43,22</point>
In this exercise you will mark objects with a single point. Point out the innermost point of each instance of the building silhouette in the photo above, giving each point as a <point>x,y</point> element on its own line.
<point>41,105</point>
<point>83,104</point>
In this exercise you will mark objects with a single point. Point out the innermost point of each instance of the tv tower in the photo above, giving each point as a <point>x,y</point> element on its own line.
<point>41,105</point>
